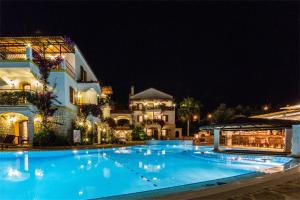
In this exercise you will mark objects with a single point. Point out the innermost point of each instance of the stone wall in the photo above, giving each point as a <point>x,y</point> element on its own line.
<point>64,118</point>
<point>6,128</point>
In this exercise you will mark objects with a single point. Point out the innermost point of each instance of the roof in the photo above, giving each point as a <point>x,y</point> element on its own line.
<point>151,93</point>
<point>251,123</point>
<point>291,107</point>
<point>52,44</point>
<point>289,112</point>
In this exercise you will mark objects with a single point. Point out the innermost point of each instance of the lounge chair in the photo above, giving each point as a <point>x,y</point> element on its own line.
<point>121,140</point>
<point>8,140</point>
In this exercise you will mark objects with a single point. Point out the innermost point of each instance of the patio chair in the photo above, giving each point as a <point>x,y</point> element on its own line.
<point>8,140</point>
<point>121,140</point>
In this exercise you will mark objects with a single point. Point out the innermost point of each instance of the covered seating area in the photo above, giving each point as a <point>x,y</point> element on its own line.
<point>250,133</point>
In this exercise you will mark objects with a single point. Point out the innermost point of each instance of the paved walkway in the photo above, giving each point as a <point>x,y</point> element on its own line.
<point>277,186</point>
<point>95,146</point>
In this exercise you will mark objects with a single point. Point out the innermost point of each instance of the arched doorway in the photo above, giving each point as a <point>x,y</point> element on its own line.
<point>177,134</point>
<point>14,124</point>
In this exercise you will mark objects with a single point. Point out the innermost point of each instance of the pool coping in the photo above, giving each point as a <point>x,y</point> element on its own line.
<point>217,185</point>
<point>200,186</point>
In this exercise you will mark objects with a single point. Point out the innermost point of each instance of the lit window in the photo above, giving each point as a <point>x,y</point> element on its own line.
<point>165,118</point>
<point>26,87</point>
<point>164,132</point>
<point>140,118</point>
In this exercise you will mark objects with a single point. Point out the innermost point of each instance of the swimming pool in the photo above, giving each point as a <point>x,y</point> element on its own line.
<point>87,174</point>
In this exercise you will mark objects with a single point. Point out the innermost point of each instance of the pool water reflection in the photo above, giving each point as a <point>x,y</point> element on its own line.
<point>82,174</point>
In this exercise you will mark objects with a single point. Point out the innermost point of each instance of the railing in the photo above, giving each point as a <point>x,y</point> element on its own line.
<point>70,69</point>
<point>154,121</point>
<point>14,96</point>
<point>4,56</point>
<point>144,108</point>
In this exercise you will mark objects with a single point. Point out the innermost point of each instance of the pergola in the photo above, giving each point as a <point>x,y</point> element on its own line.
<point>258,124</point>
<point>244,123</point>
<point>49,44</point>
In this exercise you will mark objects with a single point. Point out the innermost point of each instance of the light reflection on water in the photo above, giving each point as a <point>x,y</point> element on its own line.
<point>82,174</point>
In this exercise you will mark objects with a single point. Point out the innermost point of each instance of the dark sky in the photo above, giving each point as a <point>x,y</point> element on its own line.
<point>232,52</point>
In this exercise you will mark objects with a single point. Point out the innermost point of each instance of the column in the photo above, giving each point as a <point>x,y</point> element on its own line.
<point>28,53</point>
<point>99,135</point>
<point>216,139</point>
<point>63,65</point>
<point>30,129</point>
<point>296,141</point>
<point>158,133</point>
<point>288,139</point>
<point>229,139</point>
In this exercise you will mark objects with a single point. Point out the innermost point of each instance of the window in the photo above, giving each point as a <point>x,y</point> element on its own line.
<point>72,95</point>
<point>26,87</point>
<point>164,132</point>
<point>82,74</point>
<point>140,106</point>
<point>140,118</point>
<point>165,118</point>
<point>150,105</point>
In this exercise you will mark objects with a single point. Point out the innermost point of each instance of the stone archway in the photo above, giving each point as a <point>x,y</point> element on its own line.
<point>17,124</point>
<point>27,111</point>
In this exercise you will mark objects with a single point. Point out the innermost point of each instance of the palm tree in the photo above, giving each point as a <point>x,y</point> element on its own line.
<point>188,108</point>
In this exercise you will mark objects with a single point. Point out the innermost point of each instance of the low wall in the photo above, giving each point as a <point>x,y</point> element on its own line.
<point>169,142</point>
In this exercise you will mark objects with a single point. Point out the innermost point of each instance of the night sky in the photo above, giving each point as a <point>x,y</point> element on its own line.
<point>231,52</point>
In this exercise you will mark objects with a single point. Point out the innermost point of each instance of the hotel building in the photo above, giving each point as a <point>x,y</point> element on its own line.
<point>151,109</point>
<point>73,81</point>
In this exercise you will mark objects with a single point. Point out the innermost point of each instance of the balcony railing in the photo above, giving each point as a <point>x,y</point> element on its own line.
<point>70,69</point>
<point>159,107</point>
<point>14,96</point>
<point>22,57</point>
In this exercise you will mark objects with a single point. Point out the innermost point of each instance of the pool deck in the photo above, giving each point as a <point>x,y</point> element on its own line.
<point>281,185</point>
<point>94,146</point>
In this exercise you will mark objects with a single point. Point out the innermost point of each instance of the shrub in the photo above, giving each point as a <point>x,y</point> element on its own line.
<point>49,138</point>
<point>138,133</point>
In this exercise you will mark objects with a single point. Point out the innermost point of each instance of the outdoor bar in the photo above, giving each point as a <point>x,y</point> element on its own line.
<point>250,133</point>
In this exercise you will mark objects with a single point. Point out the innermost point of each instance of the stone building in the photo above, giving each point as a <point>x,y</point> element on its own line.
<point>73,81</point>
<point>153,110</point>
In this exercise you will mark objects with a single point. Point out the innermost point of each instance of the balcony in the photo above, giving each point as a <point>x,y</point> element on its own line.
<point>152,108</point>
<point>14,97</point>
<point>23,61</point>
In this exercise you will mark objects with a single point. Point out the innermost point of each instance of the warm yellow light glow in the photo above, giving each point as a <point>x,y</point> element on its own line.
<point>209,116</point>
<point>11,119</point>
<point>28,45</point>
<point>266,108</point>
<point>37,119</point>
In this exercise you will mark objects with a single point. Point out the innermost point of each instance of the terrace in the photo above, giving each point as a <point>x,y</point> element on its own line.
<point>16,53</point>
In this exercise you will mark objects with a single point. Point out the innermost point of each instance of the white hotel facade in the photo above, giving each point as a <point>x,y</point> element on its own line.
<point>73,82</point>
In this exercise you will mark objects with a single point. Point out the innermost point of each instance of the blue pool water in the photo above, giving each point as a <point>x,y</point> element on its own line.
<point>86,174</point>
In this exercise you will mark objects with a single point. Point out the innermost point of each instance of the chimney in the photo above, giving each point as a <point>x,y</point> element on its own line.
<point>132,91</point>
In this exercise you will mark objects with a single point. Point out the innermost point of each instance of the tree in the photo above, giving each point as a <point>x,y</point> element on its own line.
<point>138,133</point>
<point>188,108</point>
<point>44,100</point>
<point>222,114</point>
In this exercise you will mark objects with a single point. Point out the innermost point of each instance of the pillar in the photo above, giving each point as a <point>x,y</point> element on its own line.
<point>30,129</point>
<point>296,141</point>
<point>28,53</point>
<point>63,65</point>
<point>229,139</point>
<point>216,139</point>
<point>288,139</point>
<point>159,134</point>
<point>99,135</point>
